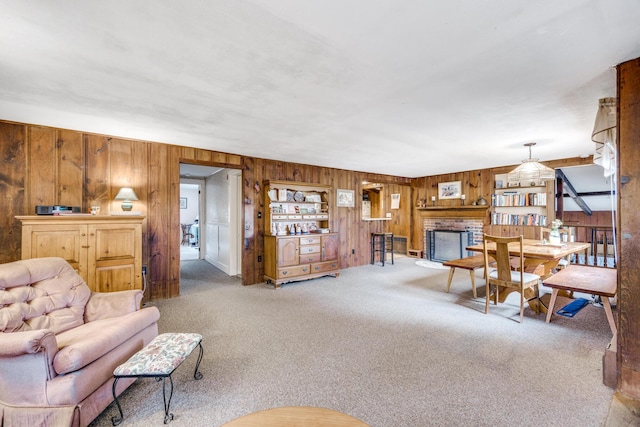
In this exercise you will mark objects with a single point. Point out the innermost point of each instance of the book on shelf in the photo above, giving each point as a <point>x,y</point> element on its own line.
<point>502,218</point>
<point>509,199</point>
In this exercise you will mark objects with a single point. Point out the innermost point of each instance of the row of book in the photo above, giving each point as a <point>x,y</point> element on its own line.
<point>509,198</point>
<point>500,218</point>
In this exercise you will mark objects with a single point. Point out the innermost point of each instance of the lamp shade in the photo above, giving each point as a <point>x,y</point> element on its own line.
<point>126,194</point>
<point>530,172</point>
<point>604,136</point>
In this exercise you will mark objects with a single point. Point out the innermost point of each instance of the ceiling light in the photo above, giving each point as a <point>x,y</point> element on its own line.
<point>530,172</point>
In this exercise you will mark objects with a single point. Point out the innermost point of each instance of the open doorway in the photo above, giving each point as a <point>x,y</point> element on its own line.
<point>190,203</point>
<point>215,233</point>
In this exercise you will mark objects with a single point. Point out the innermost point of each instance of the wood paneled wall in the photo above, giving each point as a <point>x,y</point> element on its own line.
<point>474,184</point>
<point>49,166</point>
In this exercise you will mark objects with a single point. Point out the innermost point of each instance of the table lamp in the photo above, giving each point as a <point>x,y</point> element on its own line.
<point>126,194</point>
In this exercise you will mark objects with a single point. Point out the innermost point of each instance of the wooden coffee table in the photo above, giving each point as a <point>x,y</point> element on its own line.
<point>297,416</point>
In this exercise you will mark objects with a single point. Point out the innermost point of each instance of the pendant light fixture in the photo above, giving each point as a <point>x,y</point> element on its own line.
<point>530,172</point>
<point>604,135</point>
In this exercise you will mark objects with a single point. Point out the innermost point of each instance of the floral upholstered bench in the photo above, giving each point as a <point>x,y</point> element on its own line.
<point>158,360</point>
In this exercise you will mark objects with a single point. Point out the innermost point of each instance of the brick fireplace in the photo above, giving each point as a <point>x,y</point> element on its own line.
<point>453,220</point>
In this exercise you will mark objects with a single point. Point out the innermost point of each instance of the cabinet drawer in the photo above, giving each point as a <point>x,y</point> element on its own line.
<point>314,240</point>
<point>324,266</point>
<point>310,258</point>
<point>309,249</point>
<point>297,270</point>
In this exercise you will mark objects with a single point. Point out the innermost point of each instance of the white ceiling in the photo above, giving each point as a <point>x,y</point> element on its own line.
<point>401,87</point>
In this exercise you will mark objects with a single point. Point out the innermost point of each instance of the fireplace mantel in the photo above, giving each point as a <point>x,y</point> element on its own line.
<point>472,211</point>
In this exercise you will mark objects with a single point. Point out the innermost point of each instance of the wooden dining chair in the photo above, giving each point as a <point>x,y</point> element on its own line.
<point>503,276</point>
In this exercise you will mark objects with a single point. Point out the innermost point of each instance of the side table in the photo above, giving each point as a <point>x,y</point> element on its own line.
<point>158,360</point>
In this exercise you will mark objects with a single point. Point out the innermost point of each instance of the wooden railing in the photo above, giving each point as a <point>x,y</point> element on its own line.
<point>602,250</point>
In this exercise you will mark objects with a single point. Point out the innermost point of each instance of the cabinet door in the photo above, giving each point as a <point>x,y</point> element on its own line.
<point>66,241</point>
<point>288,252</point>
<point>115,257</point>
<point>330,247</point>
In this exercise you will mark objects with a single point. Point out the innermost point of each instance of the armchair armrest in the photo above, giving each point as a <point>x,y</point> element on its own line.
<point>104,305</point>
<point>26,365</point>
<point>28,342</point>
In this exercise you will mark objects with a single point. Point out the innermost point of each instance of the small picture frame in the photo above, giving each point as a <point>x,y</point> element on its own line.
<point>499,183</point>
<point>345,198</point>
<point>449,190</point>
<point>183,203</point>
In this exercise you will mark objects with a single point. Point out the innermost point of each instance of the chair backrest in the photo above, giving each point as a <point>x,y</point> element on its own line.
<point>41,293</point>
<point>544,232</point>
<point>502,256</point>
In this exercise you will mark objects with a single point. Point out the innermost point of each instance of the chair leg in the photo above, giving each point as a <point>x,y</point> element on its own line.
<point>473,284</point>
<point>451,270</point>
<point>487,296</point>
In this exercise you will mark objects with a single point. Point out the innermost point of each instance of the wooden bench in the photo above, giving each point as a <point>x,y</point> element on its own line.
<point>589,280</point>
<point>471,263</point>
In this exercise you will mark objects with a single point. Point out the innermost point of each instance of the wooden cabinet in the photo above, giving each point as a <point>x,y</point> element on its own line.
<point>297,242</point>
<point>105,251</point>
<point>290,258</point>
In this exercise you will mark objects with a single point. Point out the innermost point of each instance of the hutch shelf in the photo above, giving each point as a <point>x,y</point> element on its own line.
<point>298,243</point>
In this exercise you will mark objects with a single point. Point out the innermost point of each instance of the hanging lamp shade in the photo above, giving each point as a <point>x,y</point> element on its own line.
<point>530,172</point>
<point>604,135</point>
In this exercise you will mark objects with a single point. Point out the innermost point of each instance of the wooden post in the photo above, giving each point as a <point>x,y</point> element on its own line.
<point>628,338</point>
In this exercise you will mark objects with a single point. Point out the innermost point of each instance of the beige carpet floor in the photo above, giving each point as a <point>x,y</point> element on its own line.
<point>385,344</point>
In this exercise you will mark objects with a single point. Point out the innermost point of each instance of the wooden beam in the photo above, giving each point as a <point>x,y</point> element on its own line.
<point>628,237</point>
<point>566,184</point>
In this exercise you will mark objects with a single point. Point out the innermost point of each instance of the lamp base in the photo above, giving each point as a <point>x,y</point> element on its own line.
<point>127,205</point>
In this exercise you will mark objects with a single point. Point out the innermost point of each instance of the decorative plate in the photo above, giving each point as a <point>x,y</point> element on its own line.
<point>298,196</point>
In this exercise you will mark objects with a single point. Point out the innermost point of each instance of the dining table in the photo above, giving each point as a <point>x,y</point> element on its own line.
<point>540,257</point>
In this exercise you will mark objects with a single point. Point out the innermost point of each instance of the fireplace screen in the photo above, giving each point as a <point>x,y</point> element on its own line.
<point>445,245</point>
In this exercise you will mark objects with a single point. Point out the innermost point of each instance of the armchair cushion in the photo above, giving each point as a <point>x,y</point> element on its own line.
<point>104,305</point>
<point>87,343</point>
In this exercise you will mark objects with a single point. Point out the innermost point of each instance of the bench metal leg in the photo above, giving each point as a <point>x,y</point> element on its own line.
<point>196,374</point>
<point>116,419</point>
<point>167,403</point>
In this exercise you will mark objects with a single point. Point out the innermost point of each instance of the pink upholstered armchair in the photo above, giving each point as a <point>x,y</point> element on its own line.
<point>59,343</point>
